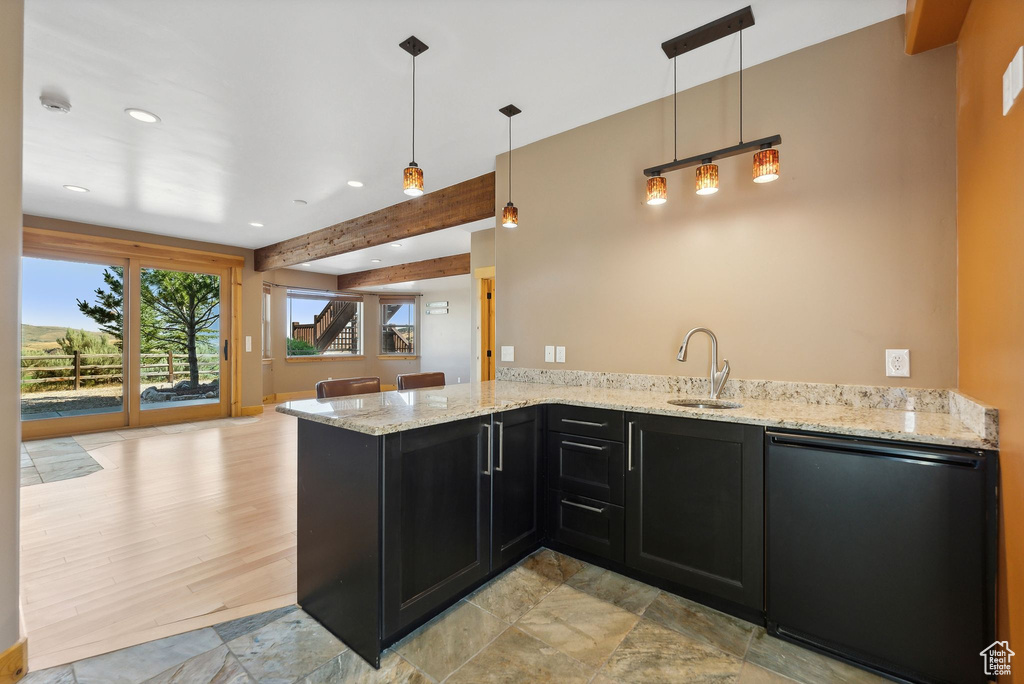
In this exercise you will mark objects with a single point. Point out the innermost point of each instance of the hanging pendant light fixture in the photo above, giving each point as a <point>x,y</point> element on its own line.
<point>766,157</point>
<point>412,181</point>
<point>707,178</point>
<point>657,187</point>
<point>510,215</point>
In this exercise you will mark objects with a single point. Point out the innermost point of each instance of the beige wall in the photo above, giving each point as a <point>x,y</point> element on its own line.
<point>809,278</point>
<point>11,56</point>
<point>445,339</point>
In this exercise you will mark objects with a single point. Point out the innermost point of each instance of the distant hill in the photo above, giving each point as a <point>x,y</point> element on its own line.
<point>41,337</point>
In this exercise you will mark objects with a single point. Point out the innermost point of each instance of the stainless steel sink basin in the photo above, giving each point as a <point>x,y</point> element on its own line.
<point>705,403</point>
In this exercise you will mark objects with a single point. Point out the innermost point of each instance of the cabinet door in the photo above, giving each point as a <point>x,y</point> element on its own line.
<point>436,517</point>
<point>695,505</point>
<point>517,488</point>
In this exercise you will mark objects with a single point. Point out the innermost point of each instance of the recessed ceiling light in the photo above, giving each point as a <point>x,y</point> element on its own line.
<point>76,188</point>
<point>299,201</point>
<point>396,244</point>
<point>356,184</point>
<point>374,261</point>
<point>142,115</point>
<point>255,225</point>
<point>304,265</point>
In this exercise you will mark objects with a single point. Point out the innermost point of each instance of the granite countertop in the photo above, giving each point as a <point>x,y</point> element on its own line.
<point>389,412</point>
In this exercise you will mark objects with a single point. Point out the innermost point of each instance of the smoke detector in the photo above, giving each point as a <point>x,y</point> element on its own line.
<point>53,104</point>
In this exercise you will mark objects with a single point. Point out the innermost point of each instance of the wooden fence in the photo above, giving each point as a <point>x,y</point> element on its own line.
<point>165,366</point>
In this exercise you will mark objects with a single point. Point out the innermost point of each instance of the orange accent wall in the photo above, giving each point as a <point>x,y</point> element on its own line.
<point>990,249</point>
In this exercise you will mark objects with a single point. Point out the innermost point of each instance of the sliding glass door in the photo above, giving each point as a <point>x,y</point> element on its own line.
<point>117,334</point>
<point>182,345</point>
<point>72,343</point>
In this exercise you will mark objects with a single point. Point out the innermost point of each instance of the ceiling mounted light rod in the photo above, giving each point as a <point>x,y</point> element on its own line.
<point>510,214</point>
<point>412,182</point>
<point>697,159</point>
<point>766,159</point>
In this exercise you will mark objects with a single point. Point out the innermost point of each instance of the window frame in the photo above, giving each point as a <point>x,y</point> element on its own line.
<point>412,301</point>
<point>293,293</point>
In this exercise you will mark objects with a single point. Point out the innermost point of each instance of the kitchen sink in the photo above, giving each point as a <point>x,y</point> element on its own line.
<point>705,403</point>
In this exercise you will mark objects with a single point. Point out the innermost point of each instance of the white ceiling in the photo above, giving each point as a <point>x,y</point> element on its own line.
<point>266,101</point>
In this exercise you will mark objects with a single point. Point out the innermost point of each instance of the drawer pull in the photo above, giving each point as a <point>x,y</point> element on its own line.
<point>592,447</point>
<point>490,450</point>
<point>629,446</point>
<point>592,509</point>
<point>501,445</point>
<point>588,423</point>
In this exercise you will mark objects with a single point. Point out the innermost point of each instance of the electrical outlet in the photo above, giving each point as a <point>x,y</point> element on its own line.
<point>549,354</point>
<point>897,363</point>
<point>560,354</point>
<point>508,353</point>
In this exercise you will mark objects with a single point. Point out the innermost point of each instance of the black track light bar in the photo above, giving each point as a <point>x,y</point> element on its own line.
<point>698,159</point>
<point>709,33</point>
<point>414,46</point>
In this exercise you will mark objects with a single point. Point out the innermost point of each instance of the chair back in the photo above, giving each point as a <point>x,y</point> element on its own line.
<point>345,387</point>
<point>420,380</point>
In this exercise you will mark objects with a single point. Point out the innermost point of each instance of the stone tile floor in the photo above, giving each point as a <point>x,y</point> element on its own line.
<point>64,458</point>
<point>551,618</point>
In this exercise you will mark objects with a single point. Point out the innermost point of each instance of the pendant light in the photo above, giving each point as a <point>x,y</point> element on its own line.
<point>510,215</point>
<point>657,187</point>
<point>766,159</point>
<point>707,177</point>
<point>412,183</point>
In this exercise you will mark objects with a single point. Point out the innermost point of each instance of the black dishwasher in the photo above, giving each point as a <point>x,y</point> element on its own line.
<point>882,552</point>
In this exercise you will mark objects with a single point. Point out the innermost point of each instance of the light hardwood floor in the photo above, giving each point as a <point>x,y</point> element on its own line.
<point>179,531</point>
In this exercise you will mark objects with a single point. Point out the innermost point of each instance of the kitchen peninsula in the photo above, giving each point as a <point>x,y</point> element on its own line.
<point>410,500</point>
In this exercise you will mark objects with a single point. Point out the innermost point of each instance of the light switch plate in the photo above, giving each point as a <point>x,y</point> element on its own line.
<point>508,353</point>
<point>897,363</point>
<point>1013,80</point>
<point>549,353</point>
<point>560,354</point>
<point>248,343</point>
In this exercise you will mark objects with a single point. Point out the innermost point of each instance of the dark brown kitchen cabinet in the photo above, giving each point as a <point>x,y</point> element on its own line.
<point>517,489</point>
<point>695,505</point>
<point>437,508</point>
<point>586,466</point>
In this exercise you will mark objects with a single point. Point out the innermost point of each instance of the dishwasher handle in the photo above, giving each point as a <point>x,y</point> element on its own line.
<point>924,453</point>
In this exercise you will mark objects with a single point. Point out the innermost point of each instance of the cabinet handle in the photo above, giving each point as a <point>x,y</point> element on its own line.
<point>629,445</point>
<point>588,423</point>
<point>592,509</point>
<point>584,446</point>
<point>490,449</point>
<point>501,445</point>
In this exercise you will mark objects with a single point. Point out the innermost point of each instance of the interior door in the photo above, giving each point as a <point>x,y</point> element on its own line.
<point>181,322</point>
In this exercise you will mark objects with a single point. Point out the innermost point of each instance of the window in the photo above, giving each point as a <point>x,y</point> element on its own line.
<point>398,326</point>
<point>266,322</point>
<point>324,323</point>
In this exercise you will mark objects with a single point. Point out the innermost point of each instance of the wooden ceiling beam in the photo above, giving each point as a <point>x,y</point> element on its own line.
<point>456,205</point>
<point>417,270</point>
<point>933,23</point>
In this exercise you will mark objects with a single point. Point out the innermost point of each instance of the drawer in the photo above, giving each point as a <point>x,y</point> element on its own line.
<point>589,422</point>
<point>586,524</point>
<point>586,466</point>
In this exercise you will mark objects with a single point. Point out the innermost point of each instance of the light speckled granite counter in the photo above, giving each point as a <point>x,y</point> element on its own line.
<point>389,412</point>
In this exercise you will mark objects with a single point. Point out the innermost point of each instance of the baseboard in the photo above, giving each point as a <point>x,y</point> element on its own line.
<point>14,662</point>
<point>292,396</point>
<point>252,410</point>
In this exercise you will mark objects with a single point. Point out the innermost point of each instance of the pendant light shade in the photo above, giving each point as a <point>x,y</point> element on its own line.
<point>509,216</point>
<point>657,190</point>
<point>707,178</point>
<point>766,165</point>
<point>413,180</point>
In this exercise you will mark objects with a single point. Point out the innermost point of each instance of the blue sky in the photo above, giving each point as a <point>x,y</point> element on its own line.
<point>49,290</point>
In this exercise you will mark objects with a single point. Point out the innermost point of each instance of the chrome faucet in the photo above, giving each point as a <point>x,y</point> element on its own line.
<point>718,377</point>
